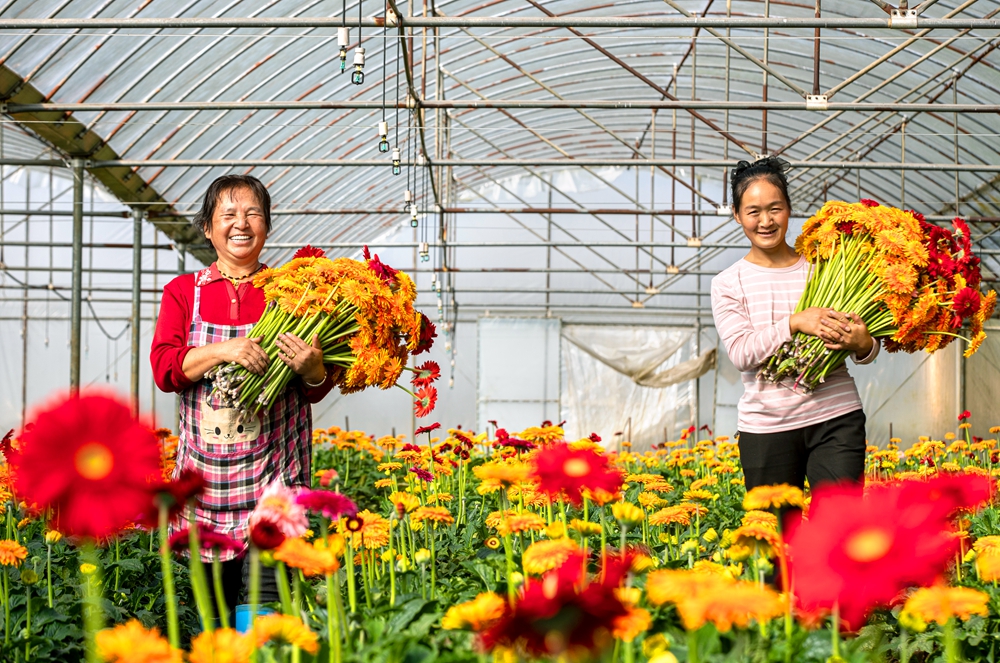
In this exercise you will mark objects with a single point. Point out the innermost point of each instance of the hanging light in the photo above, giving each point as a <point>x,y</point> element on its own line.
<point>425,254</point>
<point>358,77</point>
<point>396,168</point>
<point>407,196</point>
<point>383,134</point>
<point>342,39</point>
<point>414,219</point>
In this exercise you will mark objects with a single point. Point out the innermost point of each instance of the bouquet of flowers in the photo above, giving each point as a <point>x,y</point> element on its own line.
<point>362,313</point>
<point>913,283</point>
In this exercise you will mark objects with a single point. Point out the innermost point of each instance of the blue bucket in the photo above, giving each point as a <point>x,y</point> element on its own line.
<point>243,616</point>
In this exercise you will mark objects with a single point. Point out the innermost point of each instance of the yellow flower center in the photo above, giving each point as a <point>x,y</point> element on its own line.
<point>868,545</point>
<point>576,467</point>
<point>94,461</point>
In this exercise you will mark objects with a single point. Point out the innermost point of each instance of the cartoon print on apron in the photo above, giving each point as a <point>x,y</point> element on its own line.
<point>238,456</point>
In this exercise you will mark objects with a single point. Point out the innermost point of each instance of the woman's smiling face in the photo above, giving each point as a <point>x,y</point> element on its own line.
<point>238,227</point>
<point>763,214</point>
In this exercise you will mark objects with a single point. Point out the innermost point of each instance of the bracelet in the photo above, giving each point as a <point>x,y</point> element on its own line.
<point>326,374</point>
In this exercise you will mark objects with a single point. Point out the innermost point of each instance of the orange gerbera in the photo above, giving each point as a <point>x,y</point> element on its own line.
<point>671,515</point>
<point>761,518</point>
<point>478,614</point>
<point>703,597</point>
<point>940,603</point>
<point>373,532</point>
<point>772,497</point>
<point>222,645</point>
<point>435,514</point>
<point>761,539</point>
<point>629,626</point>
<point>133,643</point>
<point>543,556</point>
<point>313,559</point>
<point>285,629</point>
<point>12,553</point>
<point>524,522</point>
<point>502,472</point>
<point>988,567</point>
<point>407,502</point>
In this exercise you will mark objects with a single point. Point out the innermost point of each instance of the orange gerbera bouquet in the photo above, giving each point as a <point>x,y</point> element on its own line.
<point>913,283</point>
<point>363,314</point>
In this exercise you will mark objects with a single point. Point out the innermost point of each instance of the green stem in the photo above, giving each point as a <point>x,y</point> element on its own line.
<point>950,645</point>
<point>835,632</point>
<point>692,643</point>
<point>199,584</point>
<point>220,595</point>
<point>352,592</point>
<point>27,625</point>
<point>169,595</point>
<point>332,627</point>
<point>93,617</point>
<point>6,606</point>
<point>254,595</point>
<point>48,568</point>
<point>281,576</point>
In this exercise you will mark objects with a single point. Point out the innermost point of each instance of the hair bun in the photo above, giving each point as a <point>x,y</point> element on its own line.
<point>770,164</point>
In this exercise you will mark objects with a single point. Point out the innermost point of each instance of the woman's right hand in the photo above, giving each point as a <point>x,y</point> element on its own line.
<point>810,321</point>
<point>244,351</point>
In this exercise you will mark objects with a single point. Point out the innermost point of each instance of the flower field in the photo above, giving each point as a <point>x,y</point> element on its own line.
<point>474,547</point>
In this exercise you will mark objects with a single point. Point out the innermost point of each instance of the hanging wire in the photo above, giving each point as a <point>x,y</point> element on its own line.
<point>385,71</point>
<point>395,110</point>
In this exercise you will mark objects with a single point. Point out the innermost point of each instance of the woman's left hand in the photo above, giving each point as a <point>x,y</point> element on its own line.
<point>849,332</point>
<point>303,358</point>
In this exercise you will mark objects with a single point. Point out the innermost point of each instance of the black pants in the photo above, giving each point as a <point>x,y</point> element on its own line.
<point>236,583</point>
<point>830,451</point>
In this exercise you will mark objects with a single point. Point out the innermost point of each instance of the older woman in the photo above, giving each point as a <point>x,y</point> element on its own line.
<point>204,321</point>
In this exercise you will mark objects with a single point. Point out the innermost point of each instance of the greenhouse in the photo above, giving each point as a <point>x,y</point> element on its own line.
<point>503,331</point>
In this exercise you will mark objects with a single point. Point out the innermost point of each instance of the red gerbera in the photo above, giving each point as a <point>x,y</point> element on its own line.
<point>966,302</point>
<point>868,202</point>
<point>561,614</point>
<point>382,270</point>
<point>965,415</point>
<point>208,540</point>
<point>860,551</point>
<point>427,429</point>
<point>560,469</point>
<point>846,227</point>
<point>91,462</point>
<point>426,373</point>
<point>917,215</point>
<point>266,534</point>
<point>422,474</point>
<point>594,437</point>
<point>428,332</point>
<point>174,495</point>
<point>327,502</point>
<point>426,399</point>
<point>309,252</point>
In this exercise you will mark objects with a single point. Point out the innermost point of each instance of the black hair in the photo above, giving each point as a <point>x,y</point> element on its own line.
<point>771,169</point>
<point>225,184</point>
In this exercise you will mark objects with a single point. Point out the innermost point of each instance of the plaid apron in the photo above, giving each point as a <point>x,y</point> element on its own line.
<point>238,458</point>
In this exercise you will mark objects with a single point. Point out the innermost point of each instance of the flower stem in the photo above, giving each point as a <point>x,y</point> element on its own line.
<point>835,632</point>
<point>352,592</point>
<point>950,645</point>
<point>332,627</point>
<point>166,568</point>
<point>692,643</point>
<point>199,585</point>
<point>220,595</point>
<point>281,576</point>
<point>48,568</point>
<point>254,595</point>
<point>93,617</point>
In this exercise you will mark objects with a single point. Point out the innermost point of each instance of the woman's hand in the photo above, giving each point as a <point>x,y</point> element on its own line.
<point>810,321</point>
<point>848,332</point>
<point>246,352</point>
<point>304,359</point>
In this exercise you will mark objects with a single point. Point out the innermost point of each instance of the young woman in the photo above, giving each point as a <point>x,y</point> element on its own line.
<point>785,435</point>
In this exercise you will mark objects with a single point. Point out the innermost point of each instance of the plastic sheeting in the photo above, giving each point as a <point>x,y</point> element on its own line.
<point>641,363</point>
<point>597,398</point>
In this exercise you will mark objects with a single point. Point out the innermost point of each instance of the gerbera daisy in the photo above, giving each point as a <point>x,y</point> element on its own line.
<point>208,540</point>
<point>762,539</point>
<point>772,497</point>
<point>367,528</point>
<point>629,515</point>
<point>405,502</point>
<point>277,505</point>
<point>326,502</point>
<point>584,527</point>
<point>12,553</point>
<point>478,614</point>
<point>524,522</point>
<point>424,401</point>
<point>88,460</point>
<point>941,603</point>
<point>543,556</point>
<point>760,518</point>
<point>133,643</point>
<point>629,626</point>
<point>426,374</point>
<point>314,560</point>
<point>561,470</point>
<point>221,645</point>
<point>502,472</point>
<point>435,514</point>
<point>670,515</point>
<point>285,629</point>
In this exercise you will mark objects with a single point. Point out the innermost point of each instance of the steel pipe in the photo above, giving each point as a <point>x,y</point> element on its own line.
<point>462,104</point>
<point>458,163</point>
<point>533,22</point>
<point>76,298</point>
<point>136,306</point>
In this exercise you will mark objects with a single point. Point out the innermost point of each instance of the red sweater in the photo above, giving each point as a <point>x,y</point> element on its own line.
<point>221,304</point>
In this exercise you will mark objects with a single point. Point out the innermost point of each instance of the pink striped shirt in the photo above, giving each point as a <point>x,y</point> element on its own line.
<point>751,306</point>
